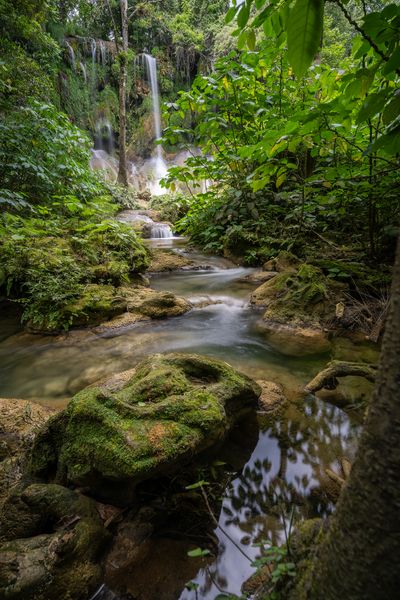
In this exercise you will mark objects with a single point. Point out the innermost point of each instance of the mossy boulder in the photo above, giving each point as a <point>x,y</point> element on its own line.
<point>163,260</point>
<point>20,420</point>
<point>52,539</point>
<point>174,407</point>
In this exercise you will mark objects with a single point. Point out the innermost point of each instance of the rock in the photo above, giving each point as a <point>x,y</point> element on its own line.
<point>53,540</point>
<point>19,422</point>
<point>285,261</point>
<point>294,340</point>
<point>167,260</point>
<point>272,397</point>
<point>173,408</point>
<point>264,293</point>
<point>259,277</point>
<point>157,305</point>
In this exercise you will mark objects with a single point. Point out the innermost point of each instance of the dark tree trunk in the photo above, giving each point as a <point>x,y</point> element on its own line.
<point>359,558</point>
<point>122,170</point>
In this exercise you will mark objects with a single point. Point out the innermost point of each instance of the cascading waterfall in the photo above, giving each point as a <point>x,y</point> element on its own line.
<point>71,54</point>
<point>160,166</point>
<point>83,69</point>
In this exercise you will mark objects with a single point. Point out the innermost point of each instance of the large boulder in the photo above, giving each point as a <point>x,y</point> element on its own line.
<point>51,541</point>
<point>174,407</point>
<point>293,340</point>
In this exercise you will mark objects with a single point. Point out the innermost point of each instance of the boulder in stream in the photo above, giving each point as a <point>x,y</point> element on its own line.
<point>173,408</point>
<point>51,541</point>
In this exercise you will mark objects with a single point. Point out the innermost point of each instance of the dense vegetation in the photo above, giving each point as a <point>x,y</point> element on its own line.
<point>292,157</point>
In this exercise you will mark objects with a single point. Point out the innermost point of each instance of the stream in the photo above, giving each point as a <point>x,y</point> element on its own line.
<point>283,469</point>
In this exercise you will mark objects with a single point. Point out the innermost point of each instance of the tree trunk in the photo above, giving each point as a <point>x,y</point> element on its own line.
<point>122,170</point>
<point>359,557</point>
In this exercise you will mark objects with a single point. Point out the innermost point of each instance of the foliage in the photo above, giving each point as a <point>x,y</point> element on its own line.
<point>171,206</point>
<point>46,264</point>
<point>320,148</point>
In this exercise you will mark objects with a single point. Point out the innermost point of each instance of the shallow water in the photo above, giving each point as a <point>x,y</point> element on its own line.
<point>286,466</point>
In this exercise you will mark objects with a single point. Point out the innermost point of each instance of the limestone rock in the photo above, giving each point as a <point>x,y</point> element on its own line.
<point>294,340</point>
<point>272,397</point>
<point>20,420</point>
<point>53,537</point>
<point>167,260</point>
<point>174,407</point>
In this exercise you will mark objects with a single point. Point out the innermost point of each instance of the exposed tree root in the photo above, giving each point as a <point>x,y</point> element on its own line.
<point>327,378</point>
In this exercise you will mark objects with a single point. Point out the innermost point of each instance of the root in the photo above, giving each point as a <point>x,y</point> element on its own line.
<point>327,378</point>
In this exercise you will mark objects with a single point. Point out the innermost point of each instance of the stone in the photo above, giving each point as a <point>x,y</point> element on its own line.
<point>52,538</point>
<point>259,277</point>
<point>163,260</point>
<point>272,396</point>
<point>284,261</point>
<point>20,420</point>
<point>294,340</point>
<point>173,408</point>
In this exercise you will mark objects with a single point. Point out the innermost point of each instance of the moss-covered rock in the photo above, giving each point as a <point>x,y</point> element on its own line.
<point>52,540</point>
<point>167,260</point>
<point>20,420</point>
<point>173,408</point>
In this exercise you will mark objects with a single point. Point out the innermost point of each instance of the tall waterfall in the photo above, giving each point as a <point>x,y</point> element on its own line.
<point>160,166</point>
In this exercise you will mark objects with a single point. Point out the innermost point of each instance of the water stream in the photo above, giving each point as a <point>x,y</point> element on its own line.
<point>283,468</point>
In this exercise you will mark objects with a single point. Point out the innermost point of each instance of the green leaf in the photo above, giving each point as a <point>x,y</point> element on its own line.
<point>372,105</point>
<point>230,15</point>
<point>391,110</point>
<point>393,63</point>
<point>243,16</point>
<point>198,552</point>
<point>196,485</point>
<point>304,33</point>
<point>251,39</point>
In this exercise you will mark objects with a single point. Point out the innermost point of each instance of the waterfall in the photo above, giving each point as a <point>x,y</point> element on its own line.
<point>160,231</point>
<point>103,52</point>
<point>83,69</point>
<point>71,54</point>
<point>104,136</point>
<point>160,166</point>
<point>93,47</point>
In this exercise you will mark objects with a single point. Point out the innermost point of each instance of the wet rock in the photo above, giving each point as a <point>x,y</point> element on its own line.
<point>259,277</point>
<point>20,421</point>
<point>294,340</point>
<point>52,539</point>
<point>285,261</point>
<point>173,408</point>
<point>272,397</point>
<point>167,260</point>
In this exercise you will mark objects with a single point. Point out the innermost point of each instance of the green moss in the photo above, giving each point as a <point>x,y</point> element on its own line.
<point>172,408</point>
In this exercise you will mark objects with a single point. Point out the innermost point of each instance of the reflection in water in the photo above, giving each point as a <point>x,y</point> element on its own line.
<point>285,470</point>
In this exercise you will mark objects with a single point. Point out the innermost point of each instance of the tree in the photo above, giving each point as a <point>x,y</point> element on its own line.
<point>123,58</point>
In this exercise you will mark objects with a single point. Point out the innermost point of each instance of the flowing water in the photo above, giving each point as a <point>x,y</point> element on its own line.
<point>283,469</point>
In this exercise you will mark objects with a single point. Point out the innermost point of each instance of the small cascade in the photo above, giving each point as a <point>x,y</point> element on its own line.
<point>93,48</point>
<point>83,69</point>
<point>160,231</point>
<point>104,139</point>
<point>103,52</point>
<point>106,163</point>
<point>71,54</point>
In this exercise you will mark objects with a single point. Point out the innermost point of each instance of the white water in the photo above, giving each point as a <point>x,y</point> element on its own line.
<point>158,164</point>
<point>71,54</point>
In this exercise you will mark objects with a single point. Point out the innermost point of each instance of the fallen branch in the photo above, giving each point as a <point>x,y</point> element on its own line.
<point>327,378</point>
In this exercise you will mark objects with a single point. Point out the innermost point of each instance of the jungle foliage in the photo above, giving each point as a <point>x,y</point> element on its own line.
<point>302,140</point>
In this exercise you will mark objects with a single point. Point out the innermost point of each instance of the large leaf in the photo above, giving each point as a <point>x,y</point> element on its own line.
<point>304,33</point>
